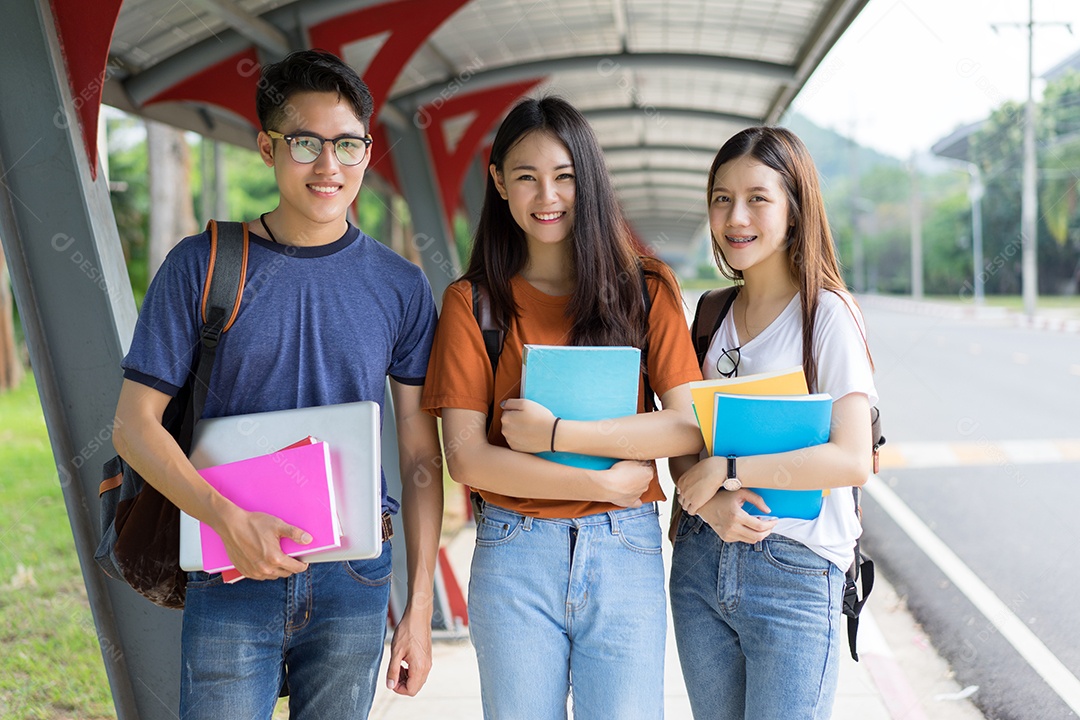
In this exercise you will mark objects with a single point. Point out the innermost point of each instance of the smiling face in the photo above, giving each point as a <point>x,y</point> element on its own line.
<point>319,192</point>
<point>749,215</point>
<point>537,181</point>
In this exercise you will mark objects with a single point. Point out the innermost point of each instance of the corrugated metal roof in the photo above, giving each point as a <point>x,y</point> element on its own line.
<point>668,75</point>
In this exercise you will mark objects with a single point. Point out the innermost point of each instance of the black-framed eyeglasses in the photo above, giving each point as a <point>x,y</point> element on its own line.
<point>305,148</point>
<point>728,363</point>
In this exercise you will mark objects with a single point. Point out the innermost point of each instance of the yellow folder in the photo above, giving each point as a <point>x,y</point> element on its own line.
<point>791,381</point>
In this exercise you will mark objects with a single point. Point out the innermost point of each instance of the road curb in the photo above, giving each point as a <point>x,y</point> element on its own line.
<point>969,311</point>
<point>896,691</point>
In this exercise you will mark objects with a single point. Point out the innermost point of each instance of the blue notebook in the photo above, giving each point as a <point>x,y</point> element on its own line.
<point>582,383</point>
<point>765,424</point>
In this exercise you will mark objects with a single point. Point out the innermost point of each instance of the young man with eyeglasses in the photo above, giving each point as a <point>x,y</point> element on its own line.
<point>327,314</point>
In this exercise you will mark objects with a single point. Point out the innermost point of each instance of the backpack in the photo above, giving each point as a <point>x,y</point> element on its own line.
<point>711,310</point>
<point>494,335</point>
<point>140,539</point>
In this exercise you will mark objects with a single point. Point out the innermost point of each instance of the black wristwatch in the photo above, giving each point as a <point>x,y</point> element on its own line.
<point>732,483</point>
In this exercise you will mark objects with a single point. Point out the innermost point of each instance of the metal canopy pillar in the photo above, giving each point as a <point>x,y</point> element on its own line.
<point>473,189</point>
<point>432,235</point>
<point>76,304</point>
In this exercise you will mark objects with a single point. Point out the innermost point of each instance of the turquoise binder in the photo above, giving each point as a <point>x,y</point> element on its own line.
<point>765,424</point>
<point>582,383</point>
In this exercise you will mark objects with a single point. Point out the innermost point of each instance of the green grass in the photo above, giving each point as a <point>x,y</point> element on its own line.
<point>1016,302</point>
<point>51,666</point>
<point>50,662</point>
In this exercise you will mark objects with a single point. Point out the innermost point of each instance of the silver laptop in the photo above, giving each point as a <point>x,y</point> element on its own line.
<point>352,432</point>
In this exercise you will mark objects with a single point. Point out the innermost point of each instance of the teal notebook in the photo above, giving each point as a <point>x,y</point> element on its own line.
<point>582,383</point>
<point>766,424</point>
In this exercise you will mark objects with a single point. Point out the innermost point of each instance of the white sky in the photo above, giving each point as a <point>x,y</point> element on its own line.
<point>908,72</point>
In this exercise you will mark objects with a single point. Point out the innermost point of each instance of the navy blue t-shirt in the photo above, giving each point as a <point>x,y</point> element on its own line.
<point>317,326</point>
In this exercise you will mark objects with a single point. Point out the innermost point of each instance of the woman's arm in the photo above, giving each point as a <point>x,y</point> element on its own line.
<point>844,461</point>
<point>679,464</point>
<point>473,461</point>
<point>527,427</point>
<point>724,510</point>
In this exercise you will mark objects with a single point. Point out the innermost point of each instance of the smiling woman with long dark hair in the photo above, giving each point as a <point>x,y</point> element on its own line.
<point>566,592</point>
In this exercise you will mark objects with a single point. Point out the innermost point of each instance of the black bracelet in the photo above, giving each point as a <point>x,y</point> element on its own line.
<point>553,426</point>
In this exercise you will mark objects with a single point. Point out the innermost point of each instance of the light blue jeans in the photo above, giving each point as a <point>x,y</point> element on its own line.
<point>757,626</point>
<point>569,607</point>
<point>325,627</point>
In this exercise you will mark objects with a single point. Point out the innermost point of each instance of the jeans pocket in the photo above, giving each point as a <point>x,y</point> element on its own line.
<point>492,532</point>
<point>373,571</point>
<point>642,534</point>
<point>794,557</point>
<point>688,524</point>
<point>198,579</point>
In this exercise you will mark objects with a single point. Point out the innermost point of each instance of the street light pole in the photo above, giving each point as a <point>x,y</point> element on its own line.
<point>975,194</point>
<point>916,232</point>
<point>1029,199</point>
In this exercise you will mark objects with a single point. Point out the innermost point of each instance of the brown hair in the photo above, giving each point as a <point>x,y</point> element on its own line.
<point>812,259</point>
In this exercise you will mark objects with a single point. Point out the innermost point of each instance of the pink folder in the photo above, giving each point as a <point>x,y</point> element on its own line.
<point>294,484</point>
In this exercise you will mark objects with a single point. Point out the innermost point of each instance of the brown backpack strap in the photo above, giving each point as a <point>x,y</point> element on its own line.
<point>226,272</point>
<point>712,308</point>
<point>223,289</point>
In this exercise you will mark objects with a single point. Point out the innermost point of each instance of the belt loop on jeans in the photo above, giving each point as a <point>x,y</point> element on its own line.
<point>526,524</point>
<point>387,527</point>
<point>614,518</point>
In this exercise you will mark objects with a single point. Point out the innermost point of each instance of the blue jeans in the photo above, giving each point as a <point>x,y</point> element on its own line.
<point>323,627</point>
<point>757,626</point>
<point>562,607</point>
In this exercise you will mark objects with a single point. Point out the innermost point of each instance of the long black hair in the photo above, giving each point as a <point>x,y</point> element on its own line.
<point>606,306</point>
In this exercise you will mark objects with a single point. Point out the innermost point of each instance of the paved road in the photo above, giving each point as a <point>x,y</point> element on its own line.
<point>984,447</point>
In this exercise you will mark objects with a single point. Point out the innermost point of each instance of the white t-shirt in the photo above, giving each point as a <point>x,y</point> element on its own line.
<point>842,368</point>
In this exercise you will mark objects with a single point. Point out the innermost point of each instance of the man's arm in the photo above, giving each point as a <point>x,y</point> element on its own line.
<point>252,540</point>
<point>421,512</point>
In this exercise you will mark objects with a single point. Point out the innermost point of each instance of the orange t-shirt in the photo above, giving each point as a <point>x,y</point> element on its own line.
<point>459,371</point>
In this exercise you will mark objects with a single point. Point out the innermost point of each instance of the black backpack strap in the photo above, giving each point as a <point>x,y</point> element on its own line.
<point>222,293</point>
<point>650,396</point>
<point>494,335</point>
<point>862,567</point>
<point>225,276</point>
<point>712,308</point>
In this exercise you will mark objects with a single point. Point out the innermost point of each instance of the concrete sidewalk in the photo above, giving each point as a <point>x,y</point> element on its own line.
<point>899,674</point>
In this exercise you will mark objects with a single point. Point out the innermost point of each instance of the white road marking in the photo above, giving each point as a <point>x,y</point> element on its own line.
<point>982,452</point>
<point>1012,628</point>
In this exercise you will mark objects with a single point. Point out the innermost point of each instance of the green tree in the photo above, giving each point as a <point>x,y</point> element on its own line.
<point>947,260</point>
<point>11,370</point>
<point>130,195</point>
<point>997,149</point>
<point>1059,200</point>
